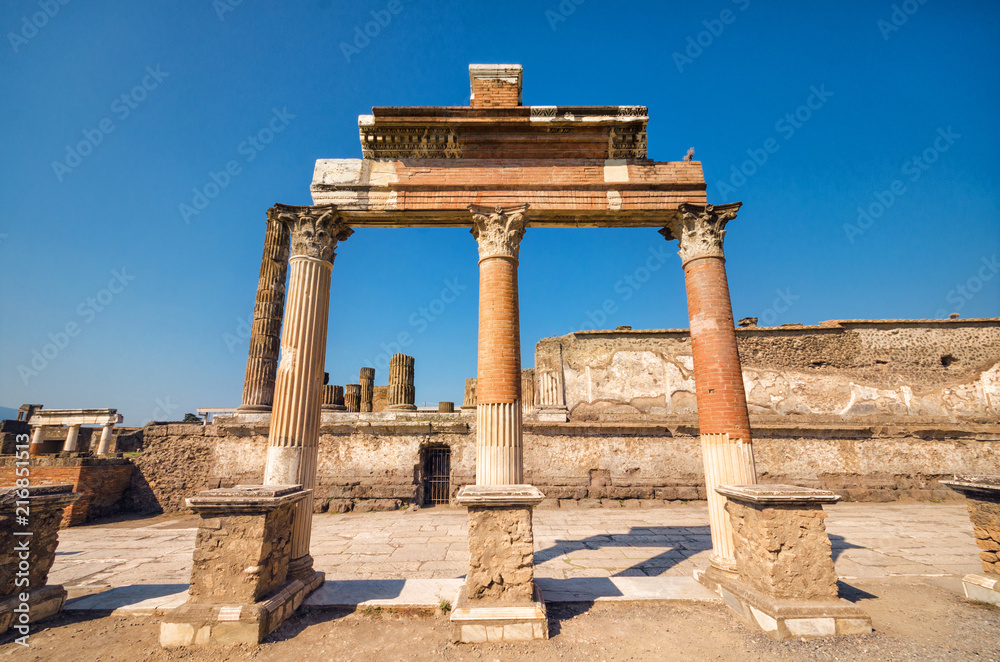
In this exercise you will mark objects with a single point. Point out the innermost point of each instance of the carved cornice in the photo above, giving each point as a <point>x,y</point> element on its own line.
<point>409,142</point>
<point>627,142</point>
<point>498,230</point>
<point>700,229</point>
<point>314,231</point>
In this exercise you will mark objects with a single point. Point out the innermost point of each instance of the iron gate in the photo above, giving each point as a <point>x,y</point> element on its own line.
<point>437,475</point>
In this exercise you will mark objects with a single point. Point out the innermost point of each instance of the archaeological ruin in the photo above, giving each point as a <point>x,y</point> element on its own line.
<point>766,424</point>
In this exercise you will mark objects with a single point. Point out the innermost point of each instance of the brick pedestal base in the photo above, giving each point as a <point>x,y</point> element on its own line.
<point>785,581</point>
<point>240,585</point>
<point>499,601</point>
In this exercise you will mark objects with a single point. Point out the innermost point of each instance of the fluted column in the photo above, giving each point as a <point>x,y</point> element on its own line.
<point>723,419</point>
<point>265,333</point>
<point>298,390</point>
<point>333,398</point>
<point>401,394</point>
<point>352,397</point>
<point>366,380</point>
<point>499,458</point>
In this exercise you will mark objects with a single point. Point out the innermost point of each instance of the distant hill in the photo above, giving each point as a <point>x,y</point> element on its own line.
<point>8,412</point>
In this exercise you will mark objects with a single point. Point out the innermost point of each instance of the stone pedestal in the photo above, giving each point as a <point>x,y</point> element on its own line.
<point>469,402</point>
<point>401,395</point>
<point>352,397</point>
<point>366,380</point>
<point>785,583</point>
<point>499,601</point>
<point>240,585</point>
<point>27,551</point>
<point>333,398</point>
<point>982,494</point>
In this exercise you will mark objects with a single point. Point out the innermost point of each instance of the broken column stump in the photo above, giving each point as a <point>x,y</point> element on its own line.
<point>499,601</point>
<point>333,398</point>
<point>352,397</point>
<point>240,590</point>
<point>401,395</point>
<point>785,584</point>
<point>982,496</point>
<point>29,535</point>
<point>366,380</point>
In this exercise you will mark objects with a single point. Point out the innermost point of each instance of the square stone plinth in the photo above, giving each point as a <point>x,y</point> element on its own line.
<point>478,621</point>
<point>786,583</point>
<point>982,496</point>
<point>240,591</point>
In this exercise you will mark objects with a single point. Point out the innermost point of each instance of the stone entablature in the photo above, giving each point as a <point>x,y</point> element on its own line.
<point>912,368</point>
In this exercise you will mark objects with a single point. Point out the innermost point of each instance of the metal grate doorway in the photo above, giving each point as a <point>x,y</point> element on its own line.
<point>437,475</point>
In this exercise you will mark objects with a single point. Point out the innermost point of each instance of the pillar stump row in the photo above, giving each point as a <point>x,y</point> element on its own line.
<point>723,420</point>
<point>265,333</point>
<point>401,395</point>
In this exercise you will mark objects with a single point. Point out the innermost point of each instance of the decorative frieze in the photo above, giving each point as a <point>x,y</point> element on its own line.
<point>627,142</point>
<point>406,142</point>
<point>499,230</point>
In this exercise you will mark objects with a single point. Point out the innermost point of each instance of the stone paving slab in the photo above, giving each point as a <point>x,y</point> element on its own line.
<point>904,540</point>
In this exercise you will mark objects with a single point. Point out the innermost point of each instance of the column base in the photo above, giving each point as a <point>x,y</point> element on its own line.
<point>473,621</point>
<point>42,603</point>
<point>982,588</point>
<point>783,619</point>
<point>401,408</point>
<point>233,625</point>
<point>250,409</point>
<point>552,414</point>
<point>301,568</point>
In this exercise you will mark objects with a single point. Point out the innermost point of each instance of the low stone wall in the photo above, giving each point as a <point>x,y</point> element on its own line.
<point>102,481</point>
<point>374,461</point>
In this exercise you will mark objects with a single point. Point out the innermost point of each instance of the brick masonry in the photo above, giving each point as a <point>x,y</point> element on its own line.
<point>102,482</point>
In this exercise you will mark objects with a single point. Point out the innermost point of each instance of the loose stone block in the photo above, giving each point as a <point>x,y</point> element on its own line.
<point>367,382</point>
<point>352,397</point>
<point>45,505</point>
<point>785,583</point>
<point>401,394</point>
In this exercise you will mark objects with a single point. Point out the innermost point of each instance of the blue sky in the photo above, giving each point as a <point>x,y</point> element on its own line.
<point>805,113</point>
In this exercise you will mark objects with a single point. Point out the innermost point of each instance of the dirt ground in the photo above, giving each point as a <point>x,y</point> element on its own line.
<point>913,621</point>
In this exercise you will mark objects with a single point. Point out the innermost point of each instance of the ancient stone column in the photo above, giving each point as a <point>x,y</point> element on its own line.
<point>105,444</point>
<point>723,420</point>
<point>333,398</point>
<point>498,384</point>
<point>366,380</point>
<point>37,439</point>
<point>352,397</point>
<point>265,334</point>
<point>72,439</point>
<point>298,389</point>
<point>469,402</point>
<point>401,392</point>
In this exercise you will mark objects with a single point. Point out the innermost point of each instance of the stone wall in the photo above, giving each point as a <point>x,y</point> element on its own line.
<point>940,368</point>
<point>373,461</point>
<point>102,481</point>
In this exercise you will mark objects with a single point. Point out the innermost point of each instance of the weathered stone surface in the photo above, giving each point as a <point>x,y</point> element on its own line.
<point>352,397</point>
<point>366,381</point>
<point>401,394</point>
<point>982,494</point>
<point>783,550</point>
<point>501,554</point>
<point>45,510</point>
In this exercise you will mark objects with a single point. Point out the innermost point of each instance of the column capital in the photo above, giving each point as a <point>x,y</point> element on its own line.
<point>499,230</point>
<point>314,230</point>
<point>700,229</point>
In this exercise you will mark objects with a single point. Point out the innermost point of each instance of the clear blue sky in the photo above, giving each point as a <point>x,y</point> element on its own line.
<point>98,241</point>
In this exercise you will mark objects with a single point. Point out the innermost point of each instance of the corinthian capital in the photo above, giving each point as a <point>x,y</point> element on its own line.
<point>700,229</point>
<point>314,231</point>
<point>498,230</point>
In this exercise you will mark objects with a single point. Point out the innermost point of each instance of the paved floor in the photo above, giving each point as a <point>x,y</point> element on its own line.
<point>869,540</point>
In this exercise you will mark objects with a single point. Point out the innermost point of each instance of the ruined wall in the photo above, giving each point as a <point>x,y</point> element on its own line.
<point>938,368</point>
<point>373,461</point>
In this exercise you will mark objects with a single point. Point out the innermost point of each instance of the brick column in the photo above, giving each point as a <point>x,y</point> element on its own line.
<point>498,384</point>
<point>265,334</point>
<point>723,420</point>
<point>298,389</point>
